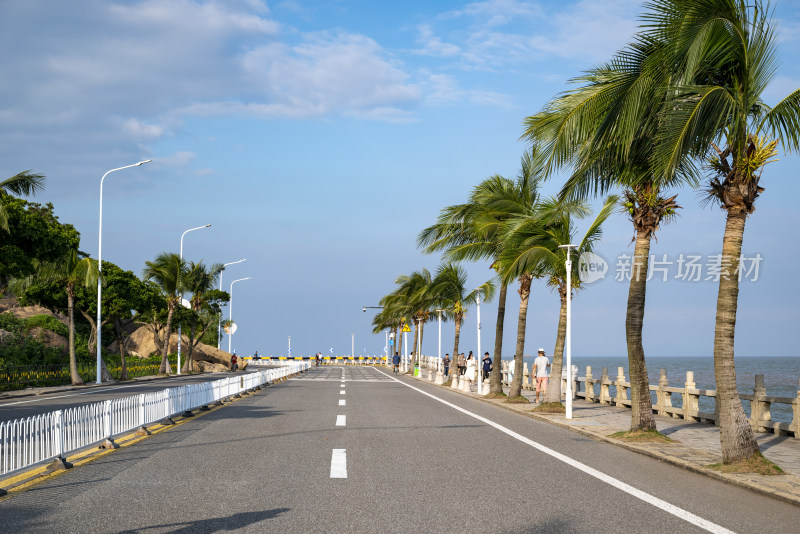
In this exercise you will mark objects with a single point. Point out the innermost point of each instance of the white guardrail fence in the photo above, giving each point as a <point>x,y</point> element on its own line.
<point>26,442</point>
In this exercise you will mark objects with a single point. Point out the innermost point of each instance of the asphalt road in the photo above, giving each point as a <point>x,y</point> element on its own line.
<point>18,407</point>
<point>413,464</point>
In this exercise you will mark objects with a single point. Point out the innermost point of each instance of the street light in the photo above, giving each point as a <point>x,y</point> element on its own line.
<point>181,292</point>
<point>230,311</point>
<point>219,324</point>
<point>375,307</point>
<point>353,346</point>
<point>568,264</point>
<point>479,355</point>
<point>100,263</point>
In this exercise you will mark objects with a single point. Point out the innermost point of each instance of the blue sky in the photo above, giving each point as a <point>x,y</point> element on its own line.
<point>319,138</point>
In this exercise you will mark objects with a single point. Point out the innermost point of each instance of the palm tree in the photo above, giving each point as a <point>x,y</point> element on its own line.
<point>200,280</point>
<point>71,272</point>
<point>726,53</point>
<point>166,270</point>
<point>472,231</point>
<point>604,129</point>
<point>537,247</point>
<point>450,293</point>
<point>25,183</point>
<point>414,290</point>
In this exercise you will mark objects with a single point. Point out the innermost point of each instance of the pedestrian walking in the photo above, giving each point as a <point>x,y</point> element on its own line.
<point>396,361</point>
<point>462,364</point>
<point>471,368</point>
<point>446,364</point>
<point>487,366</point>
<point>541,365</point>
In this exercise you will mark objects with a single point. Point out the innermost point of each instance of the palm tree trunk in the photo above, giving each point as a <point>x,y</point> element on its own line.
<point>414,352</point>
<point>515,390</point>
<point>496,378</point>
<point>641,404</point>
<point>553,393</point>
<point>165,367</point>
<point>736,436</point>
<point>187,365</point>
<point>73,363</point>
<point>454,360</point>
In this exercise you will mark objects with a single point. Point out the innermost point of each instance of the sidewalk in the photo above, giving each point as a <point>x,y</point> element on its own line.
<point>697,444</point>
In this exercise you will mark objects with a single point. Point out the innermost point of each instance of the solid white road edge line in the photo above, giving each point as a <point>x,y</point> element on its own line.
<point>630,490</point>
<point>341,420</point>
<point>339,463</point>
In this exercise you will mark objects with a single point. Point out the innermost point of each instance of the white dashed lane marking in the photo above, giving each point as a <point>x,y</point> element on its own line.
<point>341,420</point>
<point>341,402</point>
<point>339,463</point>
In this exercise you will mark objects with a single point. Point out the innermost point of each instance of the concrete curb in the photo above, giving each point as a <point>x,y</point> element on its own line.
<point>733,479</point>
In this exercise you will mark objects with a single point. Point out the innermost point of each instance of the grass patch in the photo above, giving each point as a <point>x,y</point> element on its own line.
<point>495,396</point>
<point>550,407</point>
<point>642,436</point>
<point>517,400</point>
<point>448,383</point>
<point>755,464</point>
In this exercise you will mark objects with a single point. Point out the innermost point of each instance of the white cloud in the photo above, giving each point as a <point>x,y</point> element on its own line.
<point>432,45</point>
<point>140,130</point>
<point>178,159</point>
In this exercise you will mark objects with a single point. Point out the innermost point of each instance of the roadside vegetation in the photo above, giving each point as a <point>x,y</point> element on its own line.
<point>681,105</point>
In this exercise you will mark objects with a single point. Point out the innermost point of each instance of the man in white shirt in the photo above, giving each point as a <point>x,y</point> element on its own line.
<point>541,364</point>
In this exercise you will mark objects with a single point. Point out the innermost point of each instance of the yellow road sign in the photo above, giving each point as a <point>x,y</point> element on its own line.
<point>406,328</point>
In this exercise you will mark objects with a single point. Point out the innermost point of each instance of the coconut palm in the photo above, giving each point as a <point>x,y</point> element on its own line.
<point>25,183</point>
<point>472,231</point>
<point>166,270</point>
<point>604,129</point>
<point>414,289</point>
<point>200,281</point>
<point>71,272</point>
<point>451,294</point>
<point>537,247</point>
<point>726,53</point>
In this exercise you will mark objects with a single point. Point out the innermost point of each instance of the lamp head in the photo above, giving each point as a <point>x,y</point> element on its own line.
<point>143,162</point>
<point>365,309</point>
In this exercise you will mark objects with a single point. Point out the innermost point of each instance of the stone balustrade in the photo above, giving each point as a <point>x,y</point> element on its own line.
<point>680,402</point>
<point>684,402</point>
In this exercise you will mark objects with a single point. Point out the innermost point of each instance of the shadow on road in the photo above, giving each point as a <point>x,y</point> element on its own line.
<point>216,524</point>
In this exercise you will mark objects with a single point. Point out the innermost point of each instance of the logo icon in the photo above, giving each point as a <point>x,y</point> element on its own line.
<point>591,268</point>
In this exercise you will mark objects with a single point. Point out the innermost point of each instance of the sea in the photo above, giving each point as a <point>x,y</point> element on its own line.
<point>781,375</point>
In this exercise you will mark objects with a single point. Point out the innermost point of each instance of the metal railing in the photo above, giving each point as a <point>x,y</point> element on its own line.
<point>29,441</point>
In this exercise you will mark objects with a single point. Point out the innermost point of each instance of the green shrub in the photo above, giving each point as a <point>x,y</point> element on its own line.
<point>48,322</point>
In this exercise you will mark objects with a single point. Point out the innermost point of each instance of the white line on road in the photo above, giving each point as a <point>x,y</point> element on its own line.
<point>341,420</point>
<point>630,490</point>
<point>339,463</point>
<point>341,402</point>
<point>341,392</point>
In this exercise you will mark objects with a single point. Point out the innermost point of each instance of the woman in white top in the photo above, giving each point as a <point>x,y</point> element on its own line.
<point>472,367</point>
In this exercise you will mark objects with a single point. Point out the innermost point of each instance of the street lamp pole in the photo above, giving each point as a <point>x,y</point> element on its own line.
<point>219,324</point>
<point>100,265</point>
<point>230,311</point>
<point>568,341</point>
<point>181,292</point>
<point>353,346</point>
<point>477,366</point>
